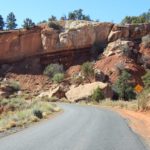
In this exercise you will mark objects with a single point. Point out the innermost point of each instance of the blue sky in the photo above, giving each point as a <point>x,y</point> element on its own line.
<point>104,10</point>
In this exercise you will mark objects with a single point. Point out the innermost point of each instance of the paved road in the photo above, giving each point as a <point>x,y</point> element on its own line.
<point>78,128</point>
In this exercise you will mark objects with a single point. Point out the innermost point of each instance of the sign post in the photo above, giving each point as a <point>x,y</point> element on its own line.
<point>138,89</point>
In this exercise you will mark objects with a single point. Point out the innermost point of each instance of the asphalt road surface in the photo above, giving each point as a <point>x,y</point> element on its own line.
<point>78,128</point>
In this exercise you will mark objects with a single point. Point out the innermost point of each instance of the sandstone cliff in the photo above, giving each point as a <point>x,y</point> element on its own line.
<point>18,44</point>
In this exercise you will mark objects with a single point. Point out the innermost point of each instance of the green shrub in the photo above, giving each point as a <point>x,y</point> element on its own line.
<point>135,19</point>
<point>123,87</point>
<point>87,70</point>
<point>146,41</point>
<point>78,15</point>
<point>52,18</point>
<point>97,95</point>
<point>13,103</point>
<point>57,78</point>
<point>28,24</point>
<point>14,85</point>
<point>54,25</point>
<point>38,113</point>
<point>146,80</point>
<point>53,69</point>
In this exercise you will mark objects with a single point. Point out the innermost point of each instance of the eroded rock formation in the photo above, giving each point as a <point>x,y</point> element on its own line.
<point>73,44</point>
<point>18,44</point>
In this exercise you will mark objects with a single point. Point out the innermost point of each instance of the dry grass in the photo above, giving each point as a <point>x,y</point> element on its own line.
<point>144,100</point>
<point>24,114</point>
<point>130,105</point>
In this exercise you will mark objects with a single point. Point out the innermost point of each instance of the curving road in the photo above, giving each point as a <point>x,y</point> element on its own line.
<point>78,128</point>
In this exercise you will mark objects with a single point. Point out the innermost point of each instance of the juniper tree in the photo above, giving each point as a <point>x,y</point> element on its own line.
<point>2,24</point>
<point>28,24</point>
<point>11,21</point>
<point>123,86</point>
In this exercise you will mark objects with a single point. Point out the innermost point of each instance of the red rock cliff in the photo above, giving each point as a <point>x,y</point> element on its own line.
<point>18,44</point>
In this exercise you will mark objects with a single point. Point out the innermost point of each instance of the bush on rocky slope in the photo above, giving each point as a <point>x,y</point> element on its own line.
<point>97,95</point>
<point>144,97</point>
<point>14,85</point>
<point>88,70</point>
<point>58,78</point>
<point>53,69</point>
<point>123,87</point>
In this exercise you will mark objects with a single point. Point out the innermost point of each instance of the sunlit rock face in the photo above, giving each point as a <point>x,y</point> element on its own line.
<point>74,35</point>
<point>17,44</point>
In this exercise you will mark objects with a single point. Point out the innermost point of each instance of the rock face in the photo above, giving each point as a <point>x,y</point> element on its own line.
<point>73,44</point>
<point>145,59</point>
<point>73,70</point>
<point>18,44</point>
<point>128,32</point>
<point>120,55</point>
<point>112,65</point>
<point>118,32</point>
<point>118,47</point>
<point>77,35</point>
<point>138,31</point>
<point>83,92</point>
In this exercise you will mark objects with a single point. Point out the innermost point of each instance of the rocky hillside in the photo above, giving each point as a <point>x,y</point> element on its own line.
<point>73,42</point>
<point>72,35</point>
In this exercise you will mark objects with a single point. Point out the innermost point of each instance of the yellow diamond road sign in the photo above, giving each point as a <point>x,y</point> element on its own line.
<point>138,88</point>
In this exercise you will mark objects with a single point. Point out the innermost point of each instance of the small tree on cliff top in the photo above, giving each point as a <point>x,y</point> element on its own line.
<point>11,21</point>
<point>52,18</point>
<point>28,24</point>
<point>2,24</point>
<point>78,15</point>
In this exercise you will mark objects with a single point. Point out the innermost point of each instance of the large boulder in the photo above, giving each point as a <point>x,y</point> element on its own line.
<point>74,38</point>
<point>57,91</point>
<point>83,92</point>
<point>71,71</point>
<point>76,35</point>
<point>118,32</point>
<point>101,29</point>
<point>102,32</point>
<point>118,47</point>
